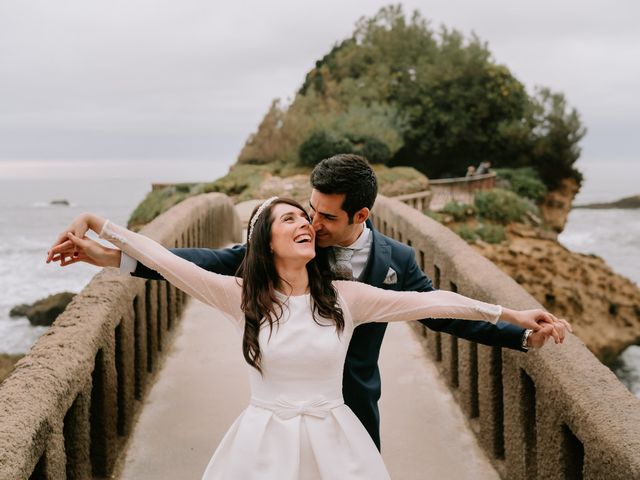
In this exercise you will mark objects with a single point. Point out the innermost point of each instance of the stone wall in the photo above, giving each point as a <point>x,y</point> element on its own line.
<point>555,413</point>
<point>68,408</point>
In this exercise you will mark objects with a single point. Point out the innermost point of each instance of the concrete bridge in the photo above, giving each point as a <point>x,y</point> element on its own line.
<point>134,380</point>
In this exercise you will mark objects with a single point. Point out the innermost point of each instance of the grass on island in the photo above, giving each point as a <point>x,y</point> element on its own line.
<point>244,181</point>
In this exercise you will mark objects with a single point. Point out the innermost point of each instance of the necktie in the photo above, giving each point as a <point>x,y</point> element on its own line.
<point>342,267</point>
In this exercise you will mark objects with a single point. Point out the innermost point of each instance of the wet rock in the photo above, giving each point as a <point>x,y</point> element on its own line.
<point>45,311</point>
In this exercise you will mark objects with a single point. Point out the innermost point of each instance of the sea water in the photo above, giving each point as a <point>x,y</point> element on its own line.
<point>613,234</point>
<point>29,223</point>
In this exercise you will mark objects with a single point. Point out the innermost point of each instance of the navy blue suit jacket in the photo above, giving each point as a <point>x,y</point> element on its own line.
<point>361,381</point>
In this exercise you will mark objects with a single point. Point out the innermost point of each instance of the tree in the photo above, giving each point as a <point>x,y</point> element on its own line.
<point>321,145</point>
<point>556,133</point>
<point>437,101</point>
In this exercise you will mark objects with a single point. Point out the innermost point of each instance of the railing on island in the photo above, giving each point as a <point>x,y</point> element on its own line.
<point>445,190</point>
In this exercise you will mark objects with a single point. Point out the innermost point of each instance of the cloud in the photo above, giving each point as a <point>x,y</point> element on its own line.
<point>192,78</point>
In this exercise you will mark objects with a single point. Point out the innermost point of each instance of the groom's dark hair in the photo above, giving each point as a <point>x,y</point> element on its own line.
<point>349,174</point>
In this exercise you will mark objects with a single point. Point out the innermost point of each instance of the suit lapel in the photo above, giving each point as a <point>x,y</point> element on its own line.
<point>379,259</point>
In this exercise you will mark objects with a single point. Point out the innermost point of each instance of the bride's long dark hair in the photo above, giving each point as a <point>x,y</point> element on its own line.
<point>260,303</point>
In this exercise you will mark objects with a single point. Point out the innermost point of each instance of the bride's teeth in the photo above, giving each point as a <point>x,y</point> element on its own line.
<point>302,238</point>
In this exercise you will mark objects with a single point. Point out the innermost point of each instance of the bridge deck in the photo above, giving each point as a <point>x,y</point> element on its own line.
<point>203,386</point>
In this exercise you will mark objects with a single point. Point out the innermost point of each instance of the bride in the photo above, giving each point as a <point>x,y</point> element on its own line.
<point>296,325</point>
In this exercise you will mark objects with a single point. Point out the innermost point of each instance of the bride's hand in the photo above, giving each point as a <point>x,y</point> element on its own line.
<point>84,250</point>
<point>78,227</point>
<point>537,318</point>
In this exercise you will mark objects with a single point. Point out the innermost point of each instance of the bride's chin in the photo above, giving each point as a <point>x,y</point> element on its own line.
<point>310,255</point>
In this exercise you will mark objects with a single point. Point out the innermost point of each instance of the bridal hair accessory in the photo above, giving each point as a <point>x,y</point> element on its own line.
<point>265,204</point>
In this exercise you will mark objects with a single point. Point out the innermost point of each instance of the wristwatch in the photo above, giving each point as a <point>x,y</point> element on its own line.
<point>525,338</point>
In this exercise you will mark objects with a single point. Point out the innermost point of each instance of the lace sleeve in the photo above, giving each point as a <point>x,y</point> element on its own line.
<point>371,304</point>
<point>219,291</point>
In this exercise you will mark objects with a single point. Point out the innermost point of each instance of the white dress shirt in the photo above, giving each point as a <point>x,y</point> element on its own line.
<point>361,247</point>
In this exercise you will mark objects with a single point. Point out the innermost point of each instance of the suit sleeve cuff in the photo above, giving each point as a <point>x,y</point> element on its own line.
<point>128,264</point>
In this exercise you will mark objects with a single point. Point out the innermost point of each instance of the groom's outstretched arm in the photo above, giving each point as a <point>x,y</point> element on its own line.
<point>502,334</point>
<point>224,261</point>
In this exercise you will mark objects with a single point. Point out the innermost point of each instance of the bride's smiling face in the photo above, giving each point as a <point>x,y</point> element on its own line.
<point>292,236</point>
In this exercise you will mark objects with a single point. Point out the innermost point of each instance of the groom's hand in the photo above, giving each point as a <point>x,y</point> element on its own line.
<point>536,320</point>
<point>538,338</point>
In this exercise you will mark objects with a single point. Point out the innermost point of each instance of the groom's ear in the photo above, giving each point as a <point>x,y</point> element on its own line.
<point>361,215</point>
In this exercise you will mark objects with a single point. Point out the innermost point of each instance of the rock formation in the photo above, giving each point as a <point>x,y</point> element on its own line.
<point>602,306</point>
<point>557,204</point>
<point>45,311</point>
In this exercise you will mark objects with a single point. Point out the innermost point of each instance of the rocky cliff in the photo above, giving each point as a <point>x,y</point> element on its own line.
<point>603,307</point>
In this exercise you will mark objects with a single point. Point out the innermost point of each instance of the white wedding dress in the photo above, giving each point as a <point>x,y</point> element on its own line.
<point>297,426</point>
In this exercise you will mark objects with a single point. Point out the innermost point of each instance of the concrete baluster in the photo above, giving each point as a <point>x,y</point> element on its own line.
<point>490,400</point>
<point>104,411</point>
<point>151,309</point>
<point>161,313</point>
<point>140,336</point>
<point>125,370</point>
<point>77,436</point>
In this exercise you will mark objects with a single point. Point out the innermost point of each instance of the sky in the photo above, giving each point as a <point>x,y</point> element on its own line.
<point>191,79</point>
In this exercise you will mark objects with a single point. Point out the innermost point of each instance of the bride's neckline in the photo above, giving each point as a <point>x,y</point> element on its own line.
<point>283,296</point>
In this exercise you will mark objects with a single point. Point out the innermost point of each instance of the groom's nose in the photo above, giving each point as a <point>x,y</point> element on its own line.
<point>315,223</point>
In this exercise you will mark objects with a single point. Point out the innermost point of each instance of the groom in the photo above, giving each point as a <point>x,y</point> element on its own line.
<point>344,190</point>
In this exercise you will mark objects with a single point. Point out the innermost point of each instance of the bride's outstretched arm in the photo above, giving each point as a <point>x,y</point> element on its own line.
<point>371,304</point>
<point>219,291</point>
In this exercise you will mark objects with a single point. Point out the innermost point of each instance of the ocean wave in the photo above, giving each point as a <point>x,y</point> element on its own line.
<point>23,247</point>
<point>18,335</point>
<point>17,251</point>
<point>627,369</point>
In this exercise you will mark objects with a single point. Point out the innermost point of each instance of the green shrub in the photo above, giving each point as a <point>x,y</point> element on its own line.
<point>370,148</point>
<point>466,233</point>
<point>491,233</point>
<point>525,182</point>
<point>241,181</point>
<point>155,203</point>
<point>434,215</point>
<point>459,211</point>
<point>320,145</point>
<point>487,232</point>
<point>500,205</point>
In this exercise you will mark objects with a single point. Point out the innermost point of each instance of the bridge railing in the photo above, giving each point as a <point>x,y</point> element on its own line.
<point>68,408</point>
<point>556,413</point>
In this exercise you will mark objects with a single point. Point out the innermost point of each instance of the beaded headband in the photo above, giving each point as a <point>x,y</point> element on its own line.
<point>264,205</point>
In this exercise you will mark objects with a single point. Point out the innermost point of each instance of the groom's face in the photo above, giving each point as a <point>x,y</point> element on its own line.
<point>331,222</point>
